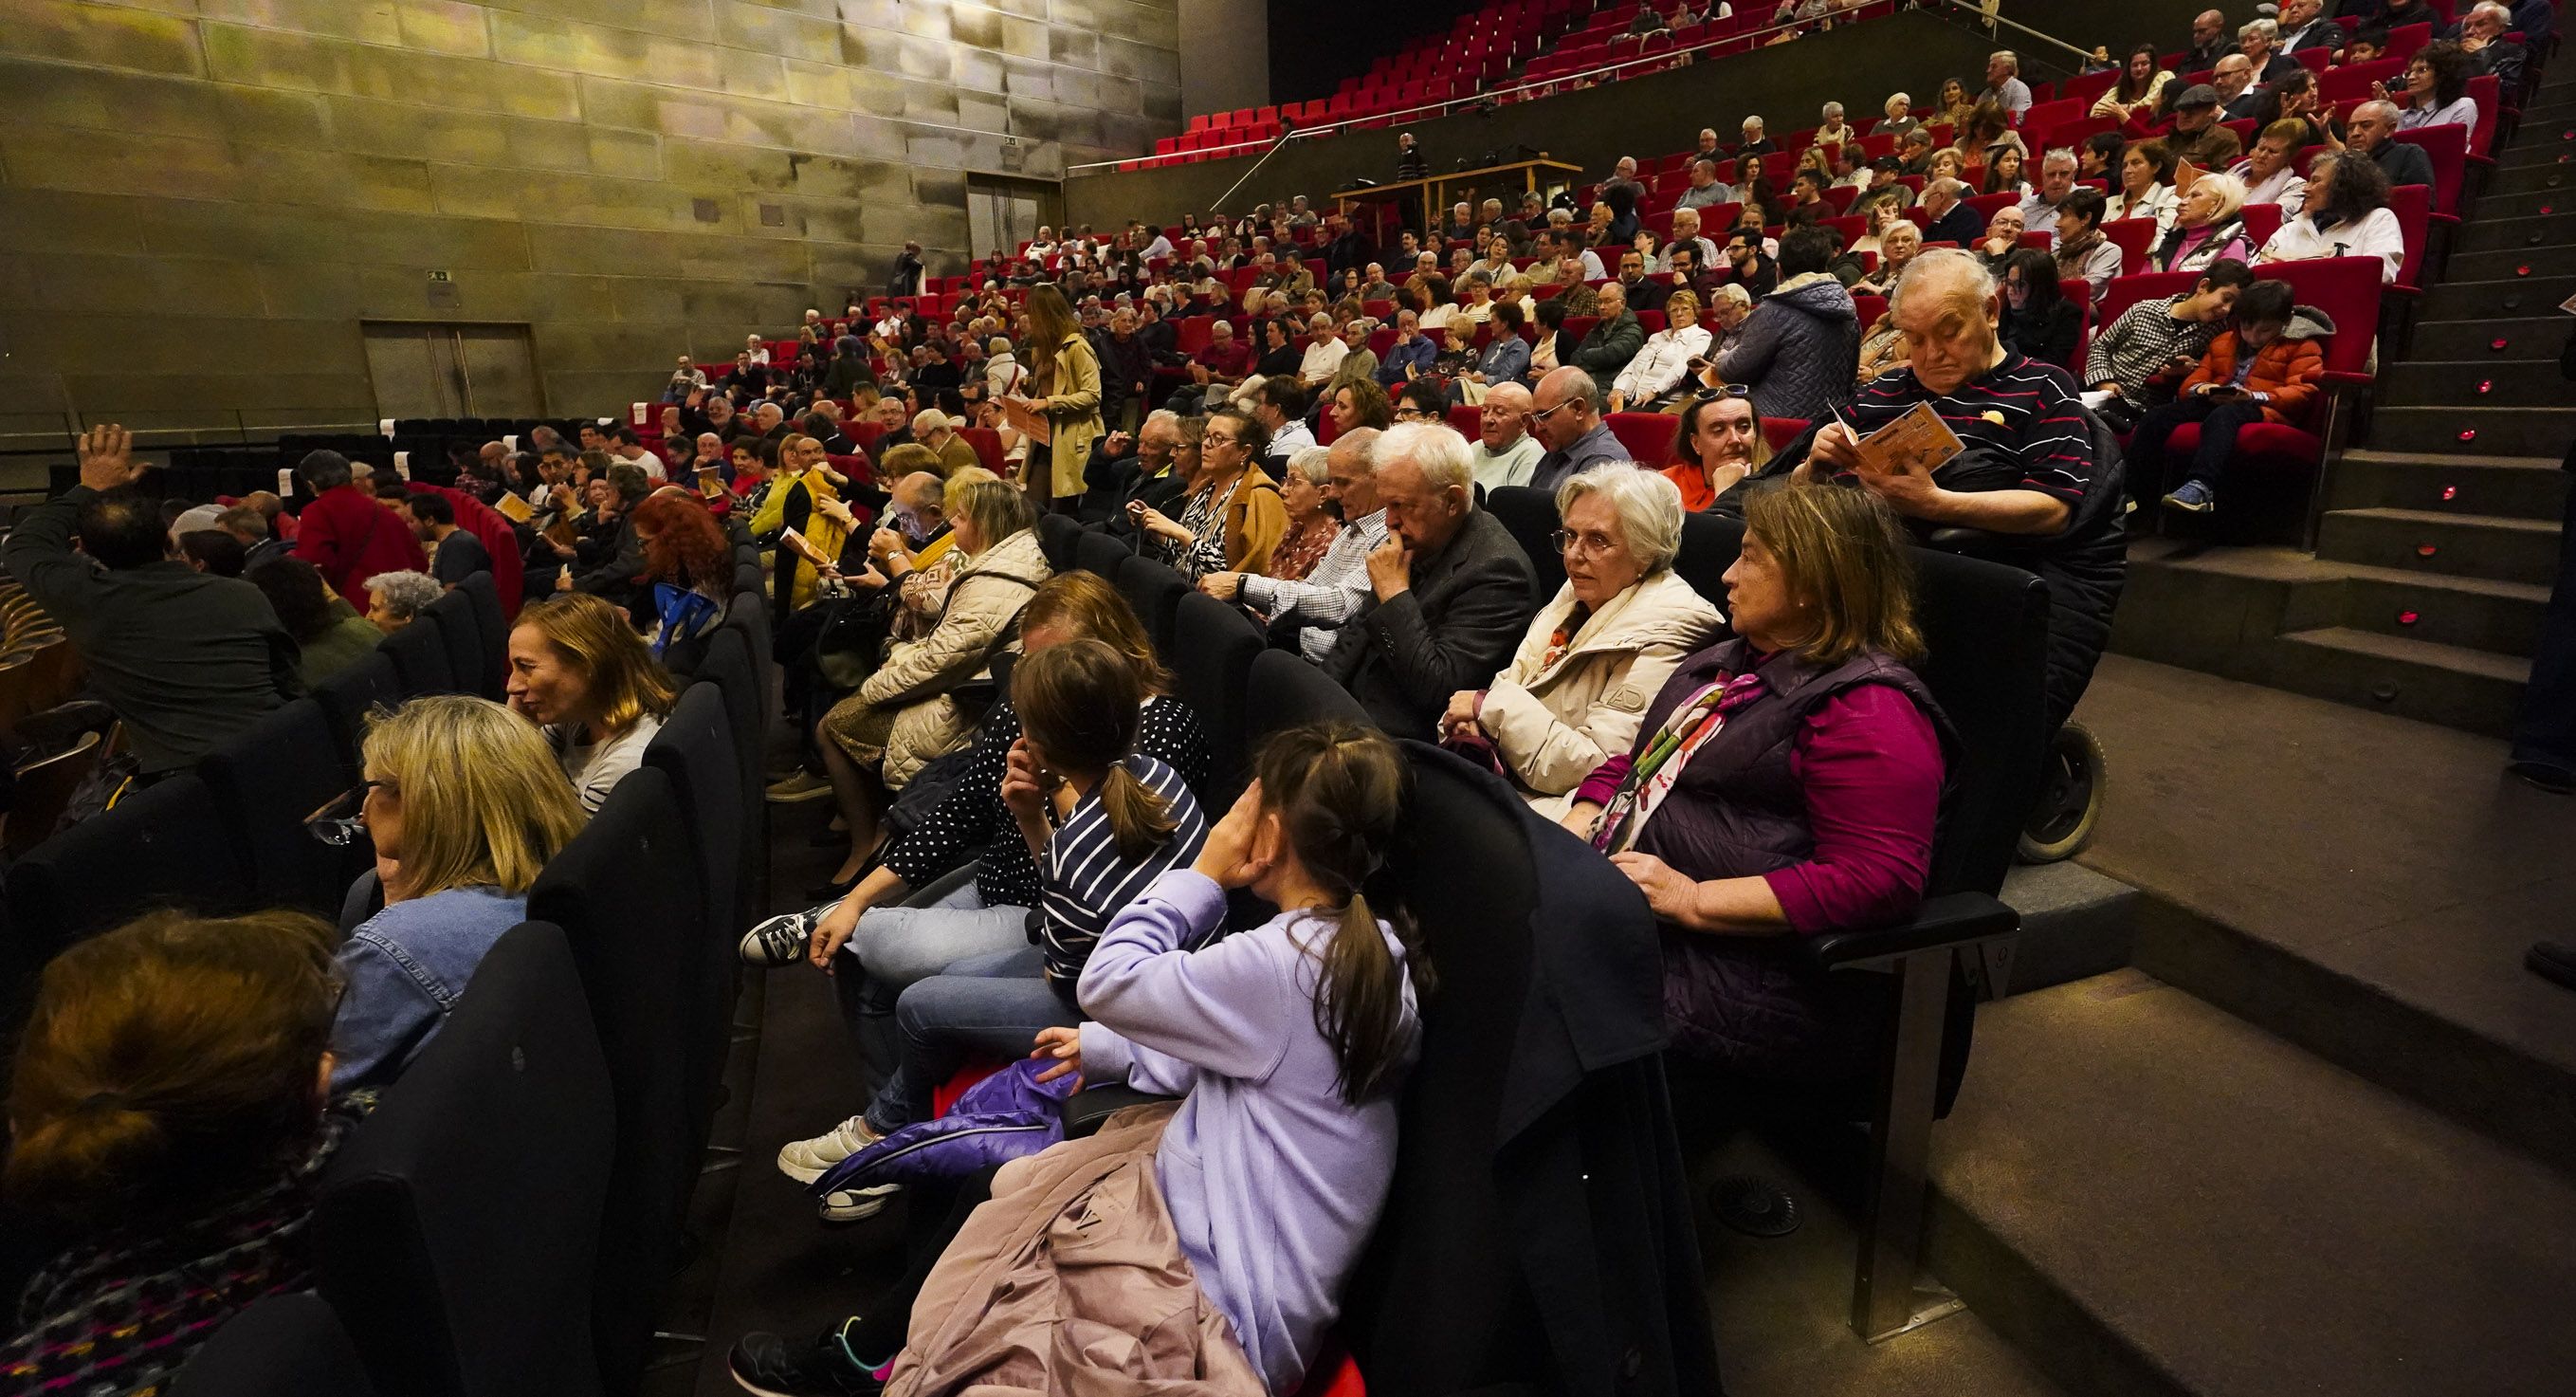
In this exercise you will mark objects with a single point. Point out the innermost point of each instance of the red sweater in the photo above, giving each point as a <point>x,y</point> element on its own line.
<point>351,538</point>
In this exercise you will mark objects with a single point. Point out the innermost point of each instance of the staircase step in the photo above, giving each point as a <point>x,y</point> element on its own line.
<point>2524,487</point>
<point>2543,262</point>
<point>2532,179</point>
<point>2267,591</point>
<point>2530,154</point>
<point>2475,690</point>
<point>2501,547</point>
<point>2427,381</point>
<point>2152,1197</point>
<point>2470,613</point>
<point>2508,223</point>
<point>2357,883</point>
<point>2524,339</point>
<point>2501,431</point>
<point>2457,298</point>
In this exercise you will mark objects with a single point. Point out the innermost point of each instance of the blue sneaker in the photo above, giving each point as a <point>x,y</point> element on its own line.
<point>2193,497</point>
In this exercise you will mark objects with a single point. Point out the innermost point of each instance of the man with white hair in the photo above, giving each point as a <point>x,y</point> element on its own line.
<point>2481,35</point>
<point>1948,218</point>
<point>1505,451</point>
<point>1462,223</point>
<point>1686,233</point>
<point>2028,465</point>
<point>1754,142</point>
<point>2056,181</point>
<point>938,431</point>
<point>1324,353</point>
<point>1449,590</point>
<point>2303,25</point>
<point>2004,86</point>
<point>1335,588</point>
<point>2372,130</point>
<point>1124,469</point>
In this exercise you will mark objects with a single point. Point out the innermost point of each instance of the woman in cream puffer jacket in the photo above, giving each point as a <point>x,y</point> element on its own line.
<point>1596,654</point>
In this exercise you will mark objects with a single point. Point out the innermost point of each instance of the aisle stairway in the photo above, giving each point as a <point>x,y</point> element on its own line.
<point>2440,536</point>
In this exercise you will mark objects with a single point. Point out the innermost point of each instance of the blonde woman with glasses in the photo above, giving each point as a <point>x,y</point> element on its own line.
<point>464,804</point>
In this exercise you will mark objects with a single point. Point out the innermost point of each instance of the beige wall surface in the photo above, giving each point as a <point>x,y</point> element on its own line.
<point>200,200</point>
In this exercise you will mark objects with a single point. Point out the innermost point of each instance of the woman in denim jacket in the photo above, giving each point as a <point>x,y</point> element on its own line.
<point>465,804</point>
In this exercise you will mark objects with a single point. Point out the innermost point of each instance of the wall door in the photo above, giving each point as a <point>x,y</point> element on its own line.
<point>431,370</point>
<point>1002,213</point>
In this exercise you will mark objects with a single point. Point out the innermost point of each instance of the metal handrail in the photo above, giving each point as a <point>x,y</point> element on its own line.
<point>1448,104</point>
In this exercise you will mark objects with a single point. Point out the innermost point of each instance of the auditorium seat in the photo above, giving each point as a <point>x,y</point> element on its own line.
<point>621,891</point>
<point>695,749</point>
<point>730,667</point>
<point>1286,691</point>
<point>265,780</point>
<point>1211,656</point>
<point>419,653</point>
<point>1530,516</point>
<point>455,1230</point>
<point>162,846</point>
<point>1155,591</point>
<point>1097,552</point>
<point>1059,536</point>
<point>462,631</point>
<point>288,1345</point>
<point>485,600</point>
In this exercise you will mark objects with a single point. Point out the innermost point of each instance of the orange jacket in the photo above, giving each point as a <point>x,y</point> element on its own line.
<point>2288,368</point>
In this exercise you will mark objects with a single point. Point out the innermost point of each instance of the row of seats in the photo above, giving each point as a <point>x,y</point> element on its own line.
<point>508,1218</point>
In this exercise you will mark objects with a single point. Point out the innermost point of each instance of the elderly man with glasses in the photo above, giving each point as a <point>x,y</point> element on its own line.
<point>1565,415</point>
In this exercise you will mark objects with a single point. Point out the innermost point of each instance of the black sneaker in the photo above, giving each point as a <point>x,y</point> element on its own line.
<point>769,1366</point>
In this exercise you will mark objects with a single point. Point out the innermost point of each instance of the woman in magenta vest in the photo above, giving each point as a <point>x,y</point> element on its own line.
<point>1785,782</point>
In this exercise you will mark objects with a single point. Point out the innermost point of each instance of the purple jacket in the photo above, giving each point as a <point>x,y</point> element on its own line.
<point>1001,1118</point>
<point>1273,1182</point>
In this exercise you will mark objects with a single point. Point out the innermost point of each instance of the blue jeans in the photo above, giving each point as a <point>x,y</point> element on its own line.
<point>894,947</point>
<point>993,1005</point>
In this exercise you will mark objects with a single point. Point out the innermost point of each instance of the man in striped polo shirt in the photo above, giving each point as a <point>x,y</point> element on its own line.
<point>2028,469</point>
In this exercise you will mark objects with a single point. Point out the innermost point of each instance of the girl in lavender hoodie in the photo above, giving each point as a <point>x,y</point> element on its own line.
<point>1290,1042</point>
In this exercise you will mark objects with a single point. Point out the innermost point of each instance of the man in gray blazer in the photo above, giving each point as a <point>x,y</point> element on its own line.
<point>1449,589</point>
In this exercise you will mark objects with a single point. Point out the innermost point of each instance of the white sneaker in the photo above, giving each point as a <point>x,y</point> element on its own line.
<point>805,1160</point>
<point>856,1204</point>
<point>783,939</point>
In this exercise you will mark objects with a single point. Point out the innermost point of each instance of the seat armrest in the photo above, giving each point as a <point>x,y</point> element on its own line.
<point>1958,919</point>
<point>1083,1111</point>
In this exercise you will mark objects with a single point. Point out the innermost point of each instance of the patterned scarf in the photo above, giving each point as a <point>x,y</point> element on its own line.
<point>1650,778</point>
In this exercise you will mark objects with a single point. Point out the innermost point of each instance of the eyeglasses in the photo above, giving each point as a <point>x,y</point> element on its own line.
<point>343,819</point>
<point>1566,541</point>
<point>1538,413</point>
<point>1408,413</point>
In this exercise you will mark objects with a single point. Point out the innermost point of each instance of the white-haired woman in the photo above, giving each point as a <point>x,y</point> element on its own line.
<point>1899,117</point>
<point>1596,655</point>
<point>396,599</point>
<point>2206,227</point>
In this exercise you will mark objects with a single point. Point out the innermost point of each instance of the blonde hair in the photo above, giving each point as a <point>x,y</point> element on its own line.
<point>1843,553</point>
<point>592,636</point>
<point>484,802</point>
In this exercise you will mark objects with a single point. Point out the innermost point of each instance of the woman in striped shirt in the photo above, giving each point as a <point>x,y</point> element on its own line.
<point>1102,820</point>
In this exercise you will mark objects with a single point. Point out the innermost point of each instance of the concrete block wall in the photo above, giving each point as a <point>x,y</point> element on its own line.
<point>200,200</point>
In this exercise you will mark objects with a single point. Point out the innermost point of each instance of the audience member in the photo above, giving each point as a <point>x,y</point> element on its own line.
<point>458,553</point>
<point>396,599</point>
<point>2004,86</point>
<point>1783,782</point>
<point>345,533</point>
<point>1575,689</point>
<point>1361,403</point>
<point>1613,340</point>
<point>1800,349</point>
<point>330,635</point>
<point>2205,227</point>
<point>169,1111</point>
<point>2346,215</point>
<point>1662,364</point>
<point>1064,379</point>
<point>1313,610</point>
<point>1358,362</point>
<point>2039,321</point>
<point>186,659</point>
<point>2155,342</point>
<point>1719,442</point>
<point>2140,89</point>
<point>2197,135</point>
<point>2267,369</point>
<point>2269,173</point>
<point>1565,416</point>
<point>1949,218</point>
<point>2435,90</point>
<point>2208,42</point>
<point>1449,589</point>
<point>2084,254</point>
<point>210,551</point>
<point>688,567</point>
<point>909,710</point>
<point>583,675</point>
<point>2372,131</point>
<point>464,804</point>
<point>1233,516</point>
<point>1311,525</point>
<point>2483,47</point>
<point>1506,453</point>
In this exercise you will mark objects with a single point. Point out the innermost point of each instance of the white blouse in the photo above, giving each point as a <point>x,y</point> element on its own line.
<point>2374,234</point>
<point>1660,363</point>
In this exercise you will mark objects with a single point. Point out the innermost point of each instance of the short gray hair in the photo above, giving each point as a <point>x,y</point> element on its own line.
<point>1946,185</point>
<point>2264,27</point>
<point>1313,462</point>
<point>1435,449</point>
<point>2503,15</point>
<point>2006,57</point>
<point>1833,111</point>
<point>2060,156</point>
<point>406,594</point>
<point>1648,502</point>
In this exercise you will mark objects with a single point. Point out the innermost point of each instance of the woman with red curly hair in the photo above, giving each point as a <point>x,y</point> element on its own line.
<point>689,566</point>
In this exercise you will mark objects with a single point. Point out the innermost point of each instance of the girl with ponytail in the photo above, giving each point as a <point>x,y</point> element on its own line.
<point>169,1110</point>
<point>1290,1040</point>
<point>1102,821</point>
